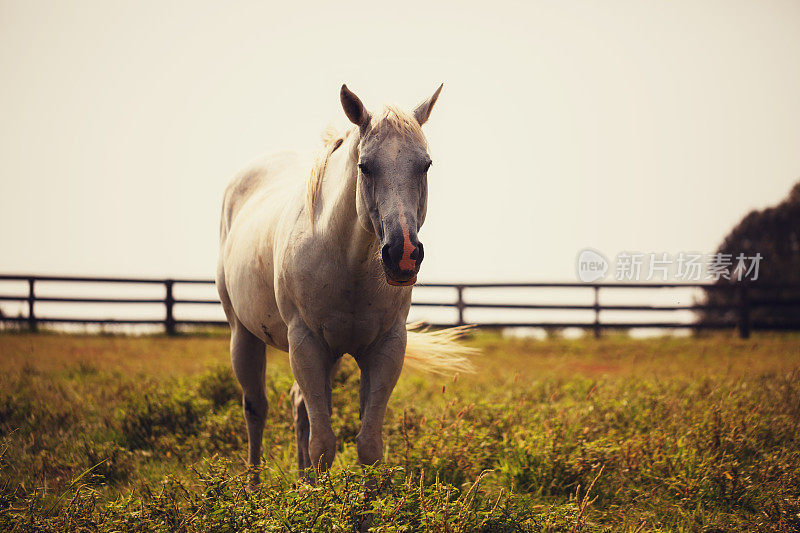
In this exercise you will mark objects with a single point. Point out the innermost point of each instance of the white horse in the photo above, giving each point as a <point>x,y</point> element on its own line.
<point>319,260</point>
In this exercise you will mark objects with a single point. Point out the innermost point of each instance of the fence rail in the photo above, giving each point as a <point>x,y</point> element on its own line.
<point>742,308</point>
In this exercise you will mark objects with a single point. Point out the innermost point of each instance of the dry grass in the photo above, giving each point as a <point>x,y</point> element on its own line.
<point>144,434</point>
<point>719,354</point>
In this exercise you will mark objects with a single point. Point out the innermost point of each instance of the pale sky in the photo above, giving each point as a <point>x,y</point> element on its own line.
<point>648,126</point>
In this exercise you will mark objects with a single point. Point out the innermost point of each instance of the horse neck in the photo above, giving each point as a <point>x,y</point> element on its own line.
<point>338,220</point>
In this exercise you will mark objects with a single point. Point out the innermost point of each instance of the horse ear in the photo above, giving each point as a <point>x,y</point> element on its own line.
<point>423,110</point>
<point>353,108</point>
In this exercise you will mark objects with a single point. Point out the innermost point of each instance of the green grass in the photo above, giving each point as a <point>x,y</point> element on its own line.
<point>146,434</point>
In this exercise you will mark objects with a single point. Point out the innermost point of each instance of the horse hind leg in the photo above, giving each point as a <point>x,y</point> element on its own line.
<point>248,355</point>
<point>301,429</point>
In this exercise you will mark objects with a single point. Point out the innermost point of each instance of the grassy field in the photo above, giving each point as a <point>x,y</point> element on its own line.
<point>146,434</point>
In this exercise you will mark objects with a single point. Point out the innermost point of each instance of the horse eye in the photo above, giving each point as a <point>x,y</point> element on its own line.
<point>364,168</point>
<point>428,165</point>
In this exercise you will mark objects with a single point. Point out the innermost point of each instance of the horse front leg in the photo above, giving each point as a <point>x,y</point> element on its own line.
<point>312,365</point>
<point>301,424</point>
<point>380,369</point>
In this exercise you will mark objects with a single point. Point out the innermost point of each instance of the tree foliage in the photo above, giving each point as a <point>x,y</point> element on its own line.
<point>775,234</point>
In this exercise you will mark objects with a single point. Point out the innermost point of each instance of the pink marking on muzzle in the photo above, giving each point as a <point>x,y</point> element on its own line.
<point>406,263</point>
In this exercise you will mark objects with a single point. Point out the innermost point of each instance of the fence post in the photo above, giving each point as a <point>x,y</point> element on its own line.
<point>169,303</point>
<point>744,312</point>
<point>460,304</point>
<point>596,312</point>
<point>33,327</point>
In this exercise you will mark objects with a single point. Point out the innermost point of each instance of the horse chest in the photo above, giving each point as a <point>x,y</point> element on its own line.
<point>351,315</point>
<point>339,294</point>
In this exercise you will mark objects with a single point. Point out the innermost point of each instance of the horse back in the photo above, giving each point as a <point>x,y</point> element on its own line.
<point>254,203</point>
<point>253,179</point>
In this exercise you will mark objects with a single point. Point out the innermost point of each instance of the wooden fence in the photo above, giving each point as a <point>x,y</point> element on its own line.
<point>744,303</point>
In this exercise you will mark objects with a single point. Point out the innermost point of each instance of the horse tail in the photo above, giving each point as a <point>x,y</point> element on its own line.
<point>439,351</point>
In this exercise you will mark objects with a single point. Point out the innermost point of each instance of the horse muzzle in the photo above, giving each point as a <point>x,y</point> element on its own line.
<point>401,261</point>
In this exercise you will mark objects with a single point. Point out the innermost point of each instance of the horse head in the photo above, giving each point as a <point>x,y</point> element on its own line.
<point>392,184</point>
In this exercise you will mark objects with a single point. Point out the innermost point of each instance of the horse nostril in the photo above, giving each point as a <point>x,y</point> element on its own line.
<point>418,253</point>
<point>386,254</point>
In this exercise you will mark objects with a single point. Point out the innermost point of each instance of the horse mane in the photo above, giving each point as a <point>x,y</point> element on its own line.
<point>331,140</point>
<point>391,119</point>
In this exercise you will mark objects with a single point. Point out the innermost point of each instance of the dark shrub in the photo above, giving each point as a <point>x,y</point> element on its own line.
<point>143,419</point>
<point>219,386</point>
